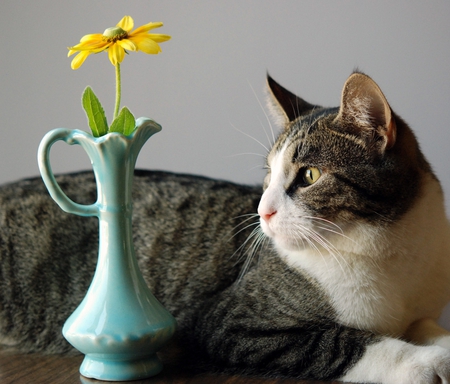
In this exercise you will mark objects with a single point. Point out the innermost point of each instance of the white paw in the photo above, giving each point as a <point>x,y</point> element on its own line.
<point>426,365</point>
<point>393,361</point>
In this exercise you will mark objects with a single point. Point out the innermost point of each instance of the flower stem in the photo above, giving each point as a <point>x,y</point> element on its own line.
<point>118,90</point>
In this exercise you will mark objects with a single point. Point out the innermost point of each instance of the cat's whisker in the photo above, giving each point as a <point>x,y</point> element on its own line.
<point>339,233</point>
<point>258,240</point>
<point>256,231</point>
<point>329,222</point>
<point>256,237</point>
<point>249,216</point>
<point>271,142</point>
<point>247,154</point>
<point>242,247</point>
<point>324,243</point>
<point>267,118</point>
<point>251,137</point>
<point>243,229</point>
<point>305,236</point>
<point>255,167</point>
<point>331,248</point>
<point>314,246</point>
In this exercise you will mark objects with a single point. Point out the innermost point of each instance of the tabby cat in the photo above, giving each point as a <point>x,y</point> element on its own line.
<point>341,274</point>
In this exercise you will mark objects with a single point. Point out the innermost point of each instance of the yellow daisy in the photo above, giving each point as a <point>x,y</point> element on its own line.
<point>118,40</point>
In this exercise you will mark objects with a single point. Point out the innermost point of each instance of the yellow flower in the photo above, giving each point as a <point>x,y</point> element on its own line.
<point>118,40</point>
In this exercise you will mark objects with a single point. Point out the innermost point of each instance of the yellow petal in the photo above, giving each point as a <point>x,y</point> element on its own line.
<point>148,46</point>
<point>159,38</point>
<point>116,54</point>
<point>94,37</point>
<point>126,23</point>
<point>127,44</point>
<point>147,27</point>
<point>79,59</point>
<point>91,46</point>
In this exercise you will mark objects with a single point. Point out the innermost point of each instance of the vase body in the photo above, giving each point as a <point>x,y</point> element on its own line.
<point>119,325</point>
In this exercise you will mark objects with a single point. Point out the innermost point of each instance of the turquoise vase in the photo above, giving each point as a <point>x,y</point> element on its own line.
<point>119,325</point>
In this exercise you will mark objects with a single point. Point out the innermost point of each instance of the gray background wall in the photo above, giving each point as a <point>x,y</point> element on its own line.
<point>206,88</point>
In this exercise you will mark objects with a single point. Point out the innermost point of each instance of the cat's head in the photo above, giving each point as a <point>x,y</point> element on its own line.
<point>334,168</point>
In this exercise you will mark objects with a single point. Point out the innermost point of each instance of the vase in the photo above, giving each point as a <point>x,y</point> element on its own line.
<point>119,325</point>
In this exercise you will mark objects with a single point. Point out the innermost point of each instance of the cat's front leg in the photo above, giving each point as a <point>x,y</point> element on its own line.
<point>428,332</point>
<point>392,361</point>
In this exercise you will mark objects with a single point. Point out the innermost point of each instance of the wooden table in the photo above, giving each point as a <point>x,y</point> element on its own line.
<point>38,369</point>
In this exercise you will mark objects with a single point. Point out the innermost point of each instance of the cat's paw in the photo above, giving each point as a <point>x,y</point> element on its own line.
<point>392,361</point>
<point>428,365</point>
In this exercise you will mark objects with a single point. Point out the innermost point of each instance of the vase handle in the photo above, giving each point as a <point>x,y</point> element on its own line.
<point>70,137</point>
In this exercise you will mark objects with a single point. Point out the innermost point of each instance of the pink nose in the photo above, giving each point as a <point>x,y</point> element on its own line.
<point>266,214</point>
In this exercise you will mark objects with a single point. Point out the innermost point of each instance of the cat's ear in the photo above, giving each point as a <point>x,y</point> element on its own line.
<point>365,110</point>
<point>283,104</point>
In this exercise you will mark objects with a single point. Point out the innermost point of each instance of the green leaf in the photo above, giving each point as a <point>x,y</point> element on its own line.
<point>124,123</point>
<point>95,113</point>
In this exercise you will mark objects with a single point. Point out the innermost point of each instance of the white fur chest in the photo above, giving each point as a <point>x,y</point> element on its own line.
<point>361,294</point>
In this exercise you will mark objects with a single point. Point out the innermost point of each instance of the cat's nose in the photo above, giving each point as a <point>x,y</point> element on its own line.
<point>266,214</point>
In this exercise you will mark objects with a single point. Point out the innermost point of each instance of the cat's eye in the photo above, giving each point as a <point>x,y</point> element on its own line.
<point>311,175</point>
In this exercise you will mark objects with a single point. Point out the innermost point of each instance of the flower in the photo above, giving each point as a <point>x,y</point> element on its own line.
<point>118,40</point>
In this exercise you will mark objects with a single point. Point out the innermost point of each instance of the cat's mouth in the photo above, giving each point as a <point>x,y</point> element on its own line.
<point>296,237</point>
<point>266,228</point>
<point>289,243</point>
<point>283,240</point>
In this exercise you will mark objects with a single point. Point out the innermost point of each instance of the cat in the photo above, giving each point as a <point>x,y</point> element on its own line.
<point>336,269</point>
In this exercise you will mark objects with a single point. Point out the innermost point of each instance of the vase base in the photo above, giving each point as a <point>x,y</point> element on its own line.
<point>120,370</point>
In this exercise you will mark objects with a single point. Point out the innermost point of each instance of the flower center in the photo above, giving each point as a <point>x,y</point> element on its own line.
<point>113,34</point>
